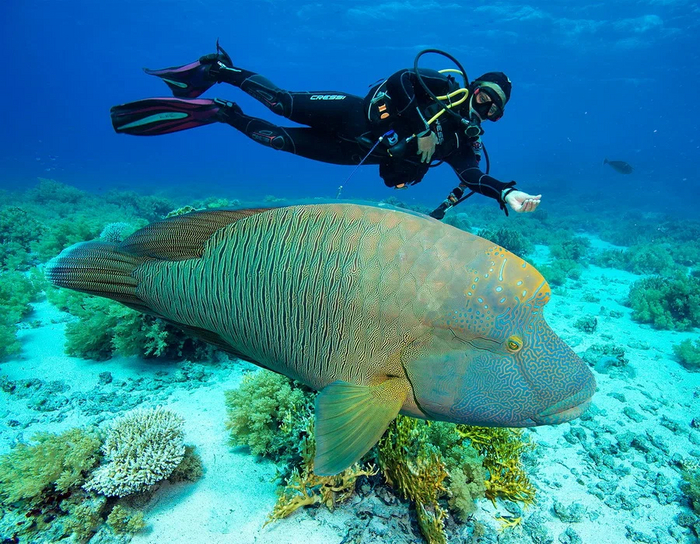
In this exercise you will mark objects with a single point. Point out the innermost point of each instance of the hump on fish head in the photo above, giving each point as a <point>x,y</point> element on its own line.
<point>490,358</point>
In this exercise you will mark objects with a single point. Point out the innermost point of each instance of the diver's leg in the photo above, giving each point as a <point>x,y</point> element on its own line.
<point>329,110</point>
<point>306,142</point>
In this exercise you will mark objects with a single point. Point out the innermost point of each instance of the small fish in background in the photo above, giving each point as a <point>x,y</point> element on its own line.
<point>620,166</point>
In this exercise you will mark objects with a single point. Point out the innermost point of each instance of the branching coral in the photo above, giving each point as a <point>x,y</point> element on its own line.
<point>143,447</point>
<point>502,450</point>
<point>304,487</point>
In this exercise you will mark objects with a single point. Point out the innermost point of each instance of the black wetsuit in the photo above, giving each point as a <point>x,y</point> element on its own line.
<point>338,128</point>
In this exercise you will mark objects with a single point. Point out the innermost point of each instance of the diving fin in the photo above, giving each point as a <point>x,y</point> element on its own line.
<point>350,419</point>
<point>154,116</point>
<point>191,80</point>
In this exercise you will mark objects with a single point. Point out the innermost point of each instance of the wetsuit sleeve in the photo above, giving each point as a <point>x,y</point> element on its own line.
<point>466,166</point>
<point>408,96</point>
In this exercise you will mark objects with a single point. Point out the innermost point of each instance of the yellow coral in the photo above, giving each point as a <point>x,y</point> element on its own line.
<point>418,475</point>
<point>305,488</point>
<point>502,449</point>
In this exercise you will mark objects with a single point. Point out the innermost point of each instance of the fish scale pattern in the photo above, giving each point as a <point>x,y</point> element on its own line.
<point>290,289</point>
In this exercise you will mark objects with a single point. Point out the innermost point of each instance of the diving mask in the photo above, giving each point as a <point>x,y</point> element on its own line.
<point>489,109</point>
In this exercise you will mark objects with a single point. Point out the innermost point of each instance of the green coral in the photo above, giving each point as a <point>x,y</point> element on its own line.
<point>17,291</point>
<point>573,248</point>
<point>18,230</point>
<point>105,328</point>
<point>269,413</point>
<point>123,520</point>
<point>51,466</point>
<point>691,485</point>
<point>688,354</point>
<point>640,259</point>
<point>84,517</point>
<point>559,270</point>
<point>508,238</point>
<point>667,303</point>
<point>190,468</point>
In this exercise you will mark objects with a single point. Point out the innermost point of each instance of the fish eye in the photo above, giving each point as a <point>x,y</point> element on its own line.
<point>514,344</point>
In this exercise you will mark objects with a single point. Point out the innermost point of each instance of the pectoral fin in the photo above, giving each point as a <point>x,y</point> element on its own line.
<point>350,419</point>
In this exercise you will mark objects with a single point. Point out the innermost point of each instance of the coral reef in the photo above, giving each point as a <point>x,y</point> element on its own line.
<point>124,520</point>
<point>269,413</point>
<point>510,239</point>
<point>688,354</point>
<point>142,448</point>
<point>17,291</point>
<point>441,468</point>
<point>502,450</point>
<point>105,327</point>
<point>51,466</point>
<point>666,302</point>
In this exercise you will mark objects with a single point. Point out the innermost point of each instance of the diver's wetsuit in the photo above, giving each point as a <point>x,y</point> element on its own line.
<point>339,130</point>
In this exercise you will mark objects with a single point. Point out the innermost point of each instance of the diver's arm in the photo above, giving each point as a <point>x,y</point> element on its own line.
<point>465,165</point>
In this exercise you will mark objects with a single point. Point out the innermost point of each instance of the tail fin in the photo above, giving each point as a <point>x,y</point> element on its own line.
<point>606,161</point>
<point>98,268</point>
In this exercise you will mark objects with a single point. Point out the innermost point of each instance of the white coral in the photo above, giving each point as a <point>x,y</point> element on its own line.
<point>115,232</point>
<point>143,447</point>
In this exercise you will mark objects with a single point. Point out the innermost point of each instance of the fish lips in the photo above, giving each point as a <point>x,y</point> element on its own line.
<point>570,408</point>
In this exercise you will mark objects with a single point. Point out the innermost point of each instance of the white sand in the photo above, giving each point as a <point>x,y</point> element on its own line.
<point>232,501</point>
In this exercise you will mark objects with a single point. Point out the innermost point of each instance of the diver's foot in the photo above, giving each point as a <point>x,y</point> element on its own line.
<point>191,80</point>
<point>228,112</point>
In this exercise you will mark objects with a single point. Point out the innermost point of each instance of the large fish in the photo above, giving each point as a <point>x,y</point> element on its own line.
<point>620,166</point>
<point>383,312</point>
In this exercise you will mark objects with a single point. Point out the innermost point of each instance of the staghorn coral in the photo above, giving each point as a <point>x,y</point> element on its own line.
<point>142,448</point>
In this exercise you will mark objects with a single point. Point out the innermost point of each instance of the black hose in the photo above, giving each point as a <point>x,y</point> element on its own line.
<point>425,87</point>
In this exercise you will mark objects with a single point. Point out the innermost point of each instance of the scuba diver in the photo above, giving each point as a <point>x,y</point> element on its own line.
<point>404,123</point>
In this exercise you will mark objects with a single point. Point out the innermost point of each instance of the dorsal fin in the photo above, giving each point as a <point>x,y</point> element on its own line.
<point>182,236</point>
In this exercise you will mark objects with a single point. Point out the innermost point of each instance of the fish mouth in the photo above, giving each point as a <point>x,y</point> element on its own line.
<point>565,410</point>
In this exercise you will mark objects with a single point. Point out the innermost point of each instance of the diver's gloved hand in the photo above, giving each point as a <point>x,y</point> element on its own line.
<point>439,212</point>
<point>426,146</point>
<point>522,202</point>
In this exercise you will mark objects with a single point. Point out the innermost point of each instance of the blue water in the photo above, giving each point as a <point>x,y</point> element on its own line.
<point>589,81</point>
